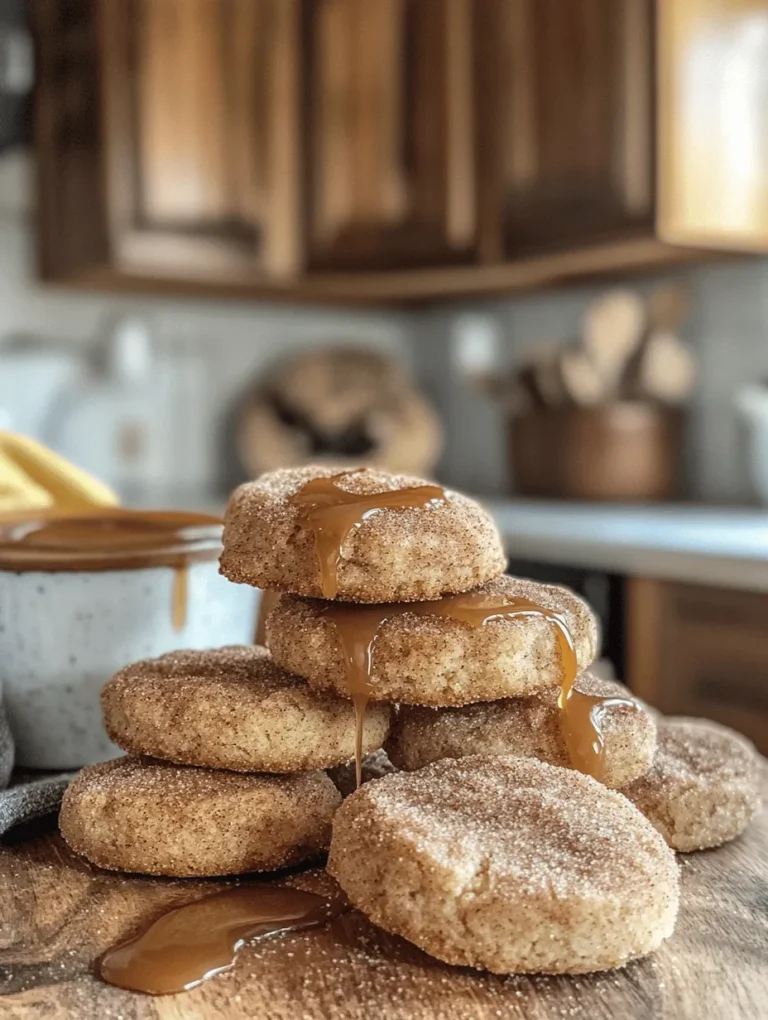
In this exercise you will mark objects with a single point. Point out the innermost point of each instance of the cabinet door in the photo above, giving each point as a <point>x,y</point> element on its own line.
<point>713,108</point>
<point>389,119</point>
<point>71,233</point>
<point>201,135</point>
<point>701,652</point>
<point>565,122</point>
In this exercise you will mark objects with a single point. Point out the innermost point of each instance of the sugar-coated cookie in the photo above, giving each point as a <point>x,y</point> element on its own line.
<point>395,554</point>
<point>529,728</point>
<point>135,814</point>
<point>232,708</point>
<point>435,660</point>
<point>703,787</point>
<point>507,864</point>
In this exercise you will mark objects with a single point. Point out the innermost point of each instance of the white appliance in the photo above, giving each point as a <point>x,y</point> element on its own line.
<point>752,402</point>
<point>129,409</point>
<point>33,374</point>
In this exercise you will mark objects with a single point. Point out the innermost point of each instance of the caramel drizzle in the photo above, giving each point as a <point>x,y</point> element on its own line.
<point>358,628</point>
<point>331,514</point>
<point>189,944</point>
<point>581,723</point>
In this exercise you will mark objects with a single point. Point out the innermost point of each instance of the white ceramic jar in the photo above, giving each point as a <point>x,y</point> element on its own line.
<point>81,598</point>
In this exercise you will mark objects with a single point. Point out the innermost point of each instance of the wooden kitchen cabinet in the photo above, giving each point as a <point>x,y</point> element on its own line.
<point>700,651</point>
<point>567,147</point>
<point>191,113</point>
<point>379,150</point>
<point>390,133</point>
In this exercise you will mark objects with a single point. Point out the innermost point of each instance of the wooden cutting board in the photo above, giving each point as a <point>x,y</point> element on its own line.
<point>57,915</point>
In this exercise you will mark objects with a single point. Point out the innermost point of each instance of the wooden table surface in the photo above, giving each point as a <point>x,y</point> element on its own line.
<point>57,915</point>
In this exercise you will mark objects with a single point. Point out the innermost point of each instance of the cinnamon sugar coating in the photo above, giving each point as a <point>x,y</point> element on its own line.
<point>527,728</point>
<point>136,814</point>
<point>433,660</point>
<point>397,554</point>
<point>507,864</point>
<point>703,787</point>
<point>232,708</point>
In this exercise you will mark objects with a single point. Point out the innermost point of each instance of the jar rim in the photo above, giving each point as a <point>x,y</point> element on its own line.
<point>113,539</point>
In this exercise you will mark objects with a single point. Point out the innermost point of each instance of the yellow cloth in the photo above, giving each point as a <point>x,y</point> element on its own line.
<point>34,478</point>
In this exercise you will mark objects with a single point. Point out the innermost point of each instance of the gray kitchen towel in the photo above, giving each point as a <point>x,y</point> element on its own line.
<point>25,795</point>
<point>6,746</point>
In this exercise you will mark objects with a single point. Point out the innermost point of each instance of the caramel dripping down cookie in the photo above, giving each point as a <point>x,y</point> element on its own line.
<point>395,538</point>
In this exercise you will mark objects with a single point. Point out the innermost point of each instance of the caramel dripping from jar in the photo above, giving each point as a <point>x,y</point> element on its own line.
<point>267,603</point>
<point>189,944</point>
<point>180,597</point>
<point>331,514</point>
<point>358,628</point>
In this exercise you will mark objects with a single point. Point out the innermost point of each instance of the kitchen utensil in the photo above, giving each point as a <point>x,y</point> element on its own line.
<point>665,370</point>
<point>612,330</point>
<point>581,380</point>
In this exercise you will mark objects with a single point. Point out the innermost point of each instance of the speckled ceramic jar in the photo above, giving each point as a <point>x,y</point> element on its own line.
<point>65,629</point>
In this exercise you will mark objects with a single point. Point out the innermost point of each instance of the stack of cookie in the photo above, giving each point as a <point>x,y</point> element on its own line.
<point>490,847</point>
<point>224,770</point>
<point>507,858</point>
<point>421,615</point>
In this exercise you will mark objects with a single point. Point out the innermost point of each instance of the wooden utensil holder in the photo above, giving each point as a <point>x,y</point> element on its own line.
<point>628,451</point>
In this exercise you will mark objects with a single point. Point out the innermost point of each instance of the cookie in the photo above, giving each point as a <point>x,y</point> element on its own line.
<point>703,787</point>
<point>136,814</point>
<point>507,864</point>
<point>421,659</point>
<point>437,541</point>
<point>232,708</point>
<point>528,728</point>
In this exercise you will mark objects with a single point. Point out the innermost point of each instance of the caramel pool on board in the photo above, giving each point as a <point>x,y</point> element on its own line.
<point>189,944</point>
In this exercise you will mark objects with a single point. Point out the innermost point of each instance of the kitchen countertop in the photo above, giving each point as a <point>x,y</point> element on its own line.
<point>720,546</point>
<point>695,543</point>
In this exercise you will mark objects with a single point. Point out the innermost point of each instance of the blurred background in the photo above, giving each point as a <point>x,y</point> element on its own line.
<point>519,245</point>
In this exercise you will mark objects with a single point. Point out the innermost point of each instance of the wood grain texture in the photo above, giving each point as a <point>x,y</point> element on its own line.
<point>57,915</point>
<point>701,651</point>
<point>566,149</point>
<point>389,123</point>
